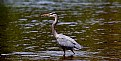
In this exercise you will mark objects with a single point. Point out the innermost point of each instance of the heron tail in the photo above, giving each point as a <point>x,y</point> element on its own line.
<point>78,46</point>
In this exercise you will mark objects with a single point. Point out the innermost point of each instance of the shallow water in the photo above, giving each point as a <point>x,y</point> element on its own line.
<point>93,24</point>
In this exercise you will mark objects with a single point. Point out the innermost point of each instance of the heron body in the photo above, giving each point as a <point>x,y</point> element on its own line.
<point>66,42</point>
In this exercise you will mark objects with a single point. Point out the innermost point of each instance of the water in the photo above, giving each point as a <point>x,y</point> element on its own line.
<point>93,24</point>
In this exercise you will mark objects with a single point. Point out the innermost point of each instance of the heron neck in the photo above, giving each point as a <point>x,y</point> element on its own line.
<point>53,26</point>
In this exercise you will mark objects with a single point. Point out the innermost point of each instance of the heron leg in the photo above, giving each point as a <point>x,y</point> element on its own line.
<point>72,51</point>
<point>64,51</point>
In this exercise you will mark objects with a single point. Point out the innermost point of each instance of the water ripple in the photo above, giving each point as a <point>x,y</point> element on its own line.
<point>67,23</point>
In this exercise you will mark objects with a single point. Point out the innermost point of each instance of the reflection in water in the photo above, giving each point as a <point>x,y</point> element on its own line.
<point>49,55</point>
<point>67,57</point>
<point>6,45</point>
<point>93,24</point>
<point>4,25</point>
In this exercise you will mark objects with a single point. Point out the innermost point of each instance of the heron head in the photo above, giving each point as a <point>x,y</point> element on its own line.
<point>50,14</point>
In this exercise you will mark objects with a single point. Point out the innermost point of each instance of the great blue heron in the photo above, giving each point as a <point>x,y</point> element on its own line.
<point>66,42</point>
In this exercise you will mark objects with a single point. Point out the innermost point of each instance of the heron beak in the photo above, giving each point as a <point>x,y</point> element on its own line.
<point>45,15</point>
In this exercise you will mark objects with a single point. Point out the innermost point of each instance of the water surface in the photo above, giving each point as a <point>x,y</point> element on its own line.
<point>93,24</point>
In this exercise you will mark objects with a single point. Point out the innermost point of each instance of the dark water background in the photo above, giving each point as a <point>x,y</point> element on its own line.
<point>25,35</point>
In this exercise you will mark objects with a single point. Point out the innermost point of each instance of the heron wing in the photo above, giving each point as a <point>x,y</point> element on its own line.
<point>64,40</point>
